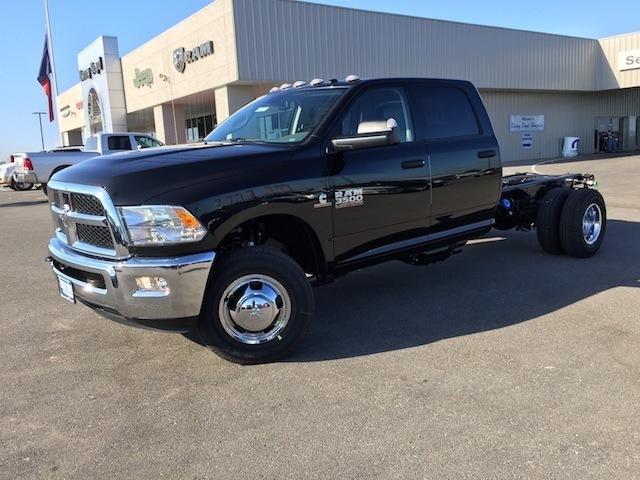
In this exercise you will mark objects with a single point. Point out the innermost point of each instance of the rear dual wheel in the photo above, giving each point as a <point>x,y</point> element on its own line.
<point>572,222</point>
<point>548,229</point>
<point>258,307</point>
<point>583,223</point>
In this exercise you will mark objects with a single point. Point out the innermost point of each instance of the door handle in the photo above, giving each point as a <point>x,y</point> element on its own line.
<point>413,164</point>
<point>487,154</point>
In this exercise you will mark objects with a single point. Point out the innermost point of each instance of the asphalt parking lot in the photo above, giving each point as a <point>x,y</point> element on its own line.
<point>503,362</point>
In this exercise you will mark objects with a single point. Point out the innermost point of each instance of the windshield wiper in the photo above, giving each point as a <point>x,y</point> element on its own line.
<point>243,139</point>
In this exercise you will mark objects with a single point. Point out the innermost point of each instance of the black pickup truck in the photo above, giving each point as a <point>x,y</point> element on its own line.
<point>299,187</point>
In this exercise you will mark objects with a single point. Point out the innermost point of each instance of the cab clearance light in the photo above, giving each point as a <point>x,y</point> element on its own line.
<point>316,82</point>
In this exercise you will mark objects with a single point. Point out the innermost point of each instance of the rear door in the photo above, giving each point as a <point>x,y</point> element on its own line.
<point>463,154</point>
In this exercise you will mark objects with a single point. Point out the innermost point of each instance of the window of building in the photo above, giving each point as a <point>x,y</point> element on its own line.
<point>142,121</point>
<point>95,112</point>
<point>199,127</point>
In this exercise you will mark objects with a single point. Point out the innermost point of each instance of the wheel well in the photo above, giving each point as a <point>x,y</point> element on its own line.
<point>57,169</point>
<point>283,232</point>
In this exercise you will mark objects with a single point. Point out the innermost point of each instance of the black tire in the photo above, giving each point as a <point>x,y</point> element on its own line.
<point>44,185</point>
<point>583,223</point>
<point>548,223</point>
<point>256,334</point>
<point>21,186</point>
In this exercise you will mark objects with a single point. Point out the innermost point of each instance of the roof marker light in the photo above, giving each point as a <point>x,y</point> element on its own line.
<point>299,84</point>
<point>316,81</point>
<point>352,78</point>
<point>274,90</point>
<point>285,86</point>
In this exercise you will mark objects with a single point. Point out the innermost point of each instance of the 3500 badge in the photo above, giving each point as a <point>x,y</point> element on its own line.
<point>349,198</point>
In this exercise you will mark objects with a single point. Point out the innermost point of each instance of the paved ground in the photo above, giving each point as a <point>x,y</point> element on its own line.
<point>503,362</point>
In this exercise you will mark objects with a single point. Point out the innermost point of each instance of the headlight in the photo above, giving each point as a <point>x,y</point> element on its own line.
<point>160,225</point>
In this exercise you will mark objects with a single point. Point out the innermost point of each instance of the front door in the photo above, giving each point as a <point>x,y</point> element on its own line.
<point>381,194</point>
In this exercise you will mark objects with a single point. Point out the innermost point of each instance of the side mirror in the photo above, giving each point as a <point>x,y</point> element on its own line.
<point>370,134</point>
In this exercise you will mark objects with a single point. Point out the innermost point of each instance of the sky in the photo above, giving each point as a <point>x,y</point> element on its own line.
<point>77,23</point>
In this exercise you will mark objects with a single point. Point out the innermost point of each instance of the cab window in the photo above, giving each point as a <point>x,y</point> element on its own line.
<point>380,104</point>
<point>146,142</point>
<point>447,112</point>
<point>119,143</point>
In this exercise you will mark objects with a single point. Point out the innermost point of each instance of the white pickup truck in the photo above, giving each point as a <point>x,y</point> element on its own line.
<point>38,167</point>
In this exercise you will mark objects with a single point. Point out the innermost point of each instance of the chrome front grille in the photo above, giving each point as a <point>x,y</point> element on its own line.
<point>93,235</point>
<point>87,204</point>
<point>86,220</point>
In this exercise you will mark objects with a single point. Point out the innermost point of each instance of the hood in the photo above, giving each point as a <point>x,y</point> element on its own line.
<point>132,178</point>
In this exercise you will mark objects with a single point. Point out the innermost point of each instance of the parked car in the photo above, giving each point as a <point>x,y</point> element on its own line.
<point>7,171</point>
<point>38,167</point>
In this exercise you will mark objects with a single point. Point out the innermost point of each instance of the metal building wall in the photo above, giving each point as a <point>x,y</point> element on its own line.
<point>569,80</point>
<point>284,40</point>
<point>565,114</point>
<point>611,48</point>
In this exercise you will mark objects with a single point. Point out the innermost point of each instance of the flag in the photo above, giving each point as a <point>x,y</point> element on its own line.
<point>44,76</point>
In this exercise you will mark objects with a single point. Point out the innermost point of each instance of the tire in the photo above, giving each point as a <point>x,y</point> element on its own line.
<point>21,186</point>
<point>548,223</point>
<point>583,223</point>
<point>232,326</point>
<point>44,185</point>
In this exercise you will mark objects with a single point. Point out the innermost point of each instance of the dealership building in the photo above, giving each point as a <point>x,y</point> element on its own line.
<point>539,89</point>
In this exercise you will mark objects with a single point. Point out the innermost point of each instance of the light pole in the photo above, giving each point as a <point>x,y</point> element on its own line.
<point>165,78</point>
<point>40,118</point>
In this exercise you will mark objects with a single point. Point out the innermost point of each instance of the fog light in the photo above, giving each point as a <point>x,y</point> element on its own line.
<point>152,285</point>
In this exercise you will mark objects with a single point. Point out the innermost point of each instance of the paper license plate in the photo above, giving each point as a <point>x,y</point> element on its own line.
<point>66,289</point>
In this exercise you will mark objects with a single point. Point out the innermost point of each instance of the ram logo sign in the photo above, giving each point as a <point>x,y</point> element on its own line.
<point>182,57</point>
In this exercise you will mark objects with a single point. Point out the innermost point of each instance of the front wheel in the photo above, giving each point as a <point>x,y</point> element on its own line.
<point>258,306</point>
<point>583,223</point>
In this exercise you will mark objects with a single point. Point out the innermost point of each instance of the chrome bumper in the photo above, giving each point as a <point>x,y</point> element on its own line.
<point>110,285</point>
<point>25,177</point>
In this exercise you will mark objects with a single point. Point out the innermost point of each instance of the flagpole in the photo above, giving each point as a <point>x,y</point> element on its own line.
<point>53,70</point>
<point>53,62</point>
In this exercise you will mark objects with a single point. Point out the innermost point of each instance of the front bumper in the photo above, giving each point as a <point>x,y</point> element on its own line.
<point>110,288</point>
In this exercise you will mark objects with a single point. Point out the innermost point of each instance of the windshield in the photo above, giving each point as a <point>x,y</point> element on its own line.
<point>282,117</point>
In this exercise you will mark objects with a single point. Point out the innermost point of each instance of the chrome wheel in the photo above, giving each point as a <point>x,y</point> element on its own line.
<point>583,223</point>
<point>592,224</point>
<point>254,309</point>
<point>258,306</point>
